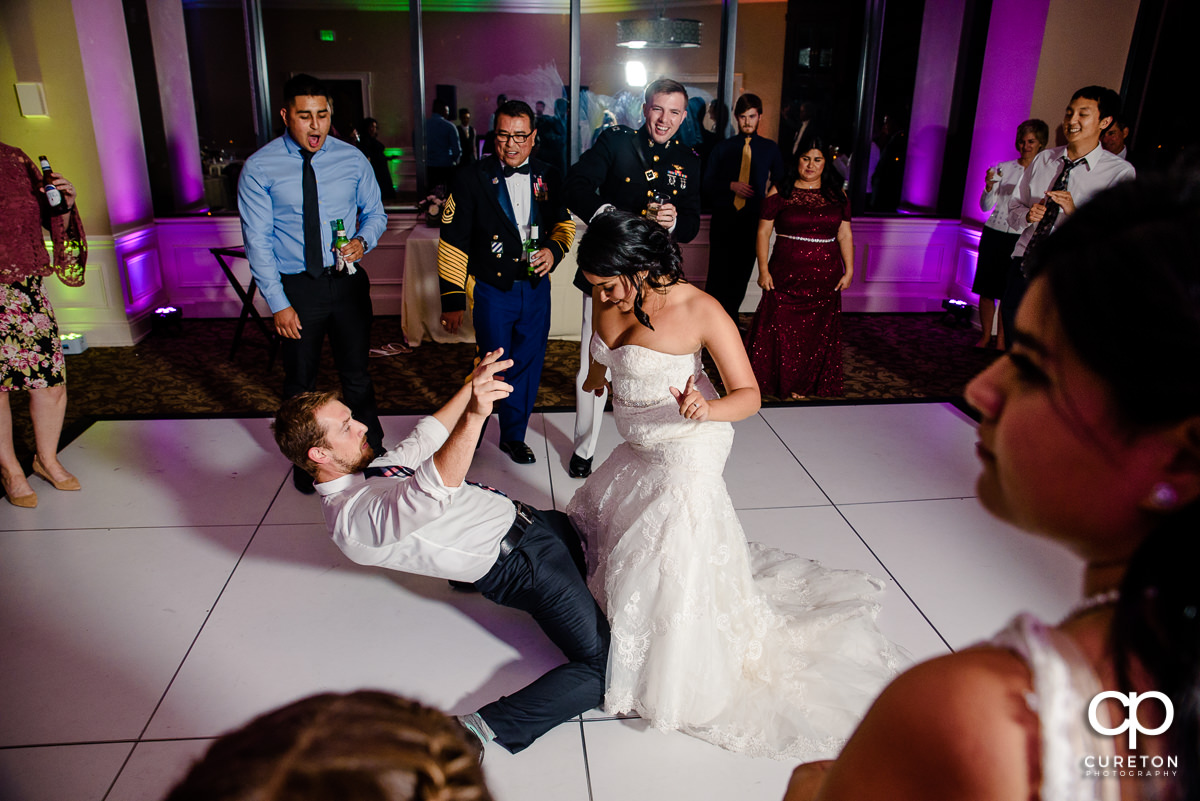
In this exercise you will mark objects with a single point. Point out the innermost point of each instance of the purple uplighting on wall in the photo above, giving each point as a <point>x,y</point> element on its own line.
<point>1015,34</point>
<point>178,104</point>
<point>104,48</point>
<point>137,253</point>
<point>933,92</point>
<point>189,181</point>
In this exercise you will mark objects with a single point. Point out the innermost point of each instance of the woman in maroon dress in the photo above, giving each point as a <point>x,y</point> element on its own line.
<point>795,341</point>
<point>30,352</point>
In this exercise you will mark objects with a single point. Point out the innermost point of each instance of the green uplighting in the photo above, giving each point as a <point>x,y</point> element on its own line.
<point>327,36</point>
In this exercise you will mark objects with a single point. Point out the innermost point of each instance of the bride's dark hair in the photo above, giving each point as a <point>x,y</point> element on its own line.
<point>1125,278</point>
<point>622,244</point>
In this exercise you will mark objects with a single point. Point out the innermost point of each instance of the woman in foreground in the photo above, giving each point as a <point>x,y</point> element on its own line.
<point>1090,436</point>
<point>750,648</point>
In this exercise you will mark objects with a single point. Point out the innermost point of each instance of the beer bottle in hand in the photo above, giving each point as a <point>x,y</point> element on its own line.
<point>58,203</point>
<point>340,262</point>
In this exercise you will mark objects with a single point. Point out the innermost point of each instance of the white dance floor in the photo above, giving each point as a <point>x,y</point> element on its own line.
<point>189,587</point>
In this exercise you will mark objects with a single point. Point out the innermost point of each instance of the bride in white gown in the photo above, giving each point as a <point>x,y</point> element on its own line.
<point>748,647</point>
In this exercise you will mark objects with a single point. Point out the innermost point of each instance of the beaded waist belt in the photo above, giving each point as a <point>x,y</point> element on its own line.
<point>808,238</point>
<point>619,401</point>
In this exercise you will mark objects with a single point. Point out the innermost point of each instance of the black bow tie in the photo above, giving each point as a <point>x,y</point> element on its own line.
<point>523,169</point>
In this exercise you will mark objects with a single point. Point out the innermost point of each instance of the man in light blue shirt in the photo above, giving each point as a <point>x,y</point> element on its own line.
<point>288,194</point>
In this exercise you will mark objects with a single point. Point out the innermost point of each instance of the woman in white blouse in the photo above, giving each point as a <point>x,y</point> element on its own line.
<point>998,240</point>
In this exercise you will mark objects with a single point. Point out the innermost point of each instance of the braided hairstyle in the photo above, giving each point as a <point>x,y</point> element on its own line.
<point>1125,277</point>
<point>361,746</point>
<point>618,243</point>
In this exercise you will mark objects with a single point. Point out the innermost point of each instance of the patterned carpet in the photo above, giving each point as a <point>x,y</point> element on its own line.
<point>185,374</point>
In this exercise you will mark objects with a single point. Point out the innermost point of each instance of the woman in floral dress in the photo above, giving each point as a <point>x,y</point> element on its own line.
<point>30,352</point>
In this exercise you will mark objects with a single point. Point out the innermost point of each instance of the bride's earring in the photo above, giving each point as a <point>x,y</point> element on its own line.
<point>1163,496</point>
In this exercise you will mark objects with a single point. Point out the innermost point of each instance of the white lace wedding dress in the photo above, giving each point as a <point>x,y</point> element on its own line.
<point>748,647</point>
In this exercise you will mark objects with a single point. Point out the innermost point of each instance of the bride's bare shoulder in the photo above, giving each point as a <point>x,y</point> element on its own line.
<point>693,298</point>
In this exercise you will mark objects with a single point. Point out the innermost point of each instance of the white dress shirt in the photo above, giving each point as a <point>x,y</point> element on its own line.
<point>520,194</point>
<point>417,524</point>
<point>996,199</point>
<point>1099,170</point>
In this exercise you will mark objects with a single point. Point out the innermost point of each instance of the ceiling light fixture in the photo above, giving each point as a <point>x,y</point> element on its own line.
<point>661,33</point>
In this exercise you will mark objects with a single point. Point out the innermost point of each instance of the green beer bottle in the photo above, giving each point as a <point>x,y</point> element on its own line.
<point>531,247</point>
<point>339,240</point>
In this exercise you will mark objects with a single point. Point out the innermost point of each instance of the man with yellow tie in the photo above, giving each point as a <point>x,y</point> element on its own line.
<point>736,182</point>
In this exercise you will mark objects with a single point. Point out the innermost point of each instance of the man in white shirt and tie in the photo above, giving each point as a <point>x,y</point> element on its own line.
<point>413,510</point>
<point>1060,179</point>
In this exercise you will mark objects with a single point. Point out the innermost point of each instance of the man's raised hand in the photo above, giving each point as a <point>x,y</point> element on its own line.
<point>486,386</point>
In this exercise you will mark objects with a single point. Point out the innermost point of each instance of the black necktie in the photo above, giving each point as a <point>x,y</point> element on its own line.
<point>509,171</point>
<point>314,258</point>
<point>1046,224</point>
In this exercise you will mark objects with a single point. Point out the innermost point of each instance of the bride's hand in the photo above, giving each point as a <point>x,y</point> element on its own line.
<point>597,379</point>
<point>692,404</point>
<point>597,388</point>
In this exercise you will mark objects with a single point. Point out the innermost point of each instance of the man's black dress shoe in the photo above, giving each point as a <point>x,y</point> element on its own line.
<point>302,481</point>
<point>518,451</point>
<point>579,467</point>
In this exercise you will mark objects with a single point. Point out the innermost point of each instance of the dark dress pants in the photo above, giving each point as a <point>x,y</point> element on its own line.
<point>518,321</point>
<point>543,576</point>
<point>732,238</point>
<point>1014,290</point>
<point>338,305</point>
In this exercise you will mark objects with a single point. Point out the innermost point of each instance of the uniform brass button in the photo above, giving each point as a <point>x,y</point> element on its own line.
<point>674,191</point>
<point>626,180</point>
<point>649,193</point>
<point>656,158</point>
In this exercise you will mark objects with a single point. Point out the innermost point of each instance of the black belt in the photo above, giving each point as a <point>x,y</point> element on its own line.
<point>521,524</point>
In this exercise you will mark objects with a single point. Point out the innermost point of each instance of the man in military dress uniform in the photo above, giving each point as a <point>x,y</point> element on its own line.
<point>647,171</point>
<point>505,227</point>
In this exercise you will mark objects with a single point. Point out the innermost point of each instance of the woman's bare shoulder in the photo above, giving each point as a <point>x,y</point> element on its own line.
<point>957,726</point>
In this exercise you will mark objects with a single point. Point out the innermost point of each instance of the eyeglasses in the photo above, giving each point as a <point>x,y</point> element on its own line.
<point>519,138</point>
